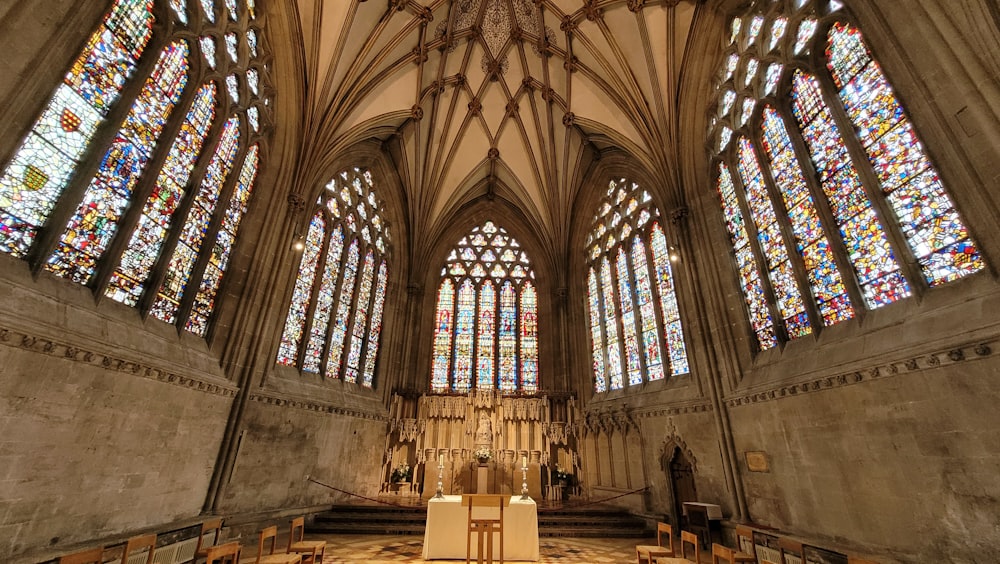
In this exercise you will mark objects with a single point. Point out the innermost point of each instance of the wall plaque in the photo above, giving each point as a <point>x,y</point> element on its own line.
<point>757,461</point>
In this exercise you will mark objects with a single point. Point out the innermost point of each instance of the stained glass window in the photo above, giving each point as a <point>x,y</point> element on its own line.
<point>596,335</point>
<point>128,281</point>
<point>95,221</point>
<point>931,225</point>
<point>632,301</point>
<point>529,338</point>
<point>218,261</point>
<point>291,337</point>
<point>760,316</point>
<point>359,326</point>
<point>491,339</point>
<point>832,205</point>
<point>338,296</point>
<point>144,166</point>
<point>867,245</point>
<point>36,176</point>
<point>779,267</point>
<point>375,328</point>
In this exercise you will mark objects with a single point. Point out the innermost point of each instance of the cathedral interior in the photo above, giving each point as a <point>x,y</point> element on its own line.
<point>258,257</point>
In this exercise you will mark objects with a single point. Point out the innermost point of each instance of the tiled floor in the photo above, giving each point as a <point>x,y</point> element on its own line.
<point>378,549</point>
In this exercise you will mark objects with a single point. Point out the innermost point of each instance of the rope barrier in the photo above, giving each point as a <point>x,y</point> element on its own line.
<point>541,509</point>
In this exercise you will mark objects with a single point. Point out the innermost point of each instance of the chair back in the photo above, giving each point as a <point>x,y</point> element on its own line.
<point>298,531</point>
<point>269,533</point>
<point>136,545</point>
<point>688,538</point>
<point>789,550</point>
<point>89,556</point>
<point>723,553</point>
<point>661,529</point>
<point>228,553</point>
<point>210,526</point>
<point>744,539</point>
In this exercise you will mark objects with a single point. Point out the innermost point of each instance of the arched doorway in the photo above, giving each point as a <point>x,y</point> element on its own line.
<point>680,476</point>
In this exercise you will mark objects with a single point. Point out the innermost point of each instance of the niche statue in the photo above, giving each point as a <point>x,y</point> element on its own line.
<point>484,434</point>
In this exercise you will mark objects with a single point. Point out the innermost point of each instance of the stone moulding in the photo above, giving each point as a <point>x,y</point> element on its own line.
<point>319,407</point>
<point>944,357</point>
<point>41,345</point>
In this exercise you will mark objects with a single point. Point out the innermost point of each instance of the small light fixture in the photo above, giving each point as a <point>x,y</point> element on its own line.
<point>674,254</point>
<point>299,243</point>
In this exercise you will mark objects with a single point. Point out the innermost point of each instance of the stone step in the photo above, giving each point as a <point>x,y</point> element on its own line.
<point>552,521</point>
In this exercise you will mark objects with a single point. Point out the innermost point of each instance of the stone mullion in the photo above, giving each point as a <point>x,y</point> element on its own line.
<point>496,334</point>
<point>907,261</point>
<point>788,236</point>
<point>763,274</point>
<point>212,232</point>
<point>68,201</point>
<point>180,215</point>
<point>147,183</point>
<point>831,229</point>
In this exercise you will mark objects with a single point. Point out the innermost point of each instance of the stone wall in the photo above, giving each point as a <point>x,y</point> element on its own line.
<point>108,425</point>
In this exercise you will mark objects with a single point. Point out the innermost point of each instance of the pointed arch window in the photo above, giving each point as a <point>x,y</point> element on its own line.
<point>334,320</point>
<point>486,318</point>
<point>635,325</point>
<point>152,225</point>
<point>846,212</point>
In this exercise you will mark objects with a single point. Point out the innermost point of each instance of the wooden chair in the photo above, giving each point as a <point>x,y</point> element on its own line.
<point>692,539</point>
<point>647,553</point>
<point>687,538</point>
<point>789,550</point>
<point>271,534</point>
<point>228,553</point>
<point>744,540</point>
<point>723,553</point>
<point>210,526</point>
<point>484,527</point>
<point>89,556</point>
<point>136,545</point>
<point>312,551</point>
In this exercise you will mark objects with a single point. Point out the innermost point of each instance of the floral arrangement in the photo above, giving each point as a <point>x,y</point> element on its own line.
<point>402,473</point>
<point>560,474</point>
<point>482,453</point>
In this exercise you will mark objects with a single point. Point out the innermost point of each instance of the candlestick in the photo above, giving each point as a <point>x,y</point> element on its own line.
<point>524,478</point>
<point>440,492</point>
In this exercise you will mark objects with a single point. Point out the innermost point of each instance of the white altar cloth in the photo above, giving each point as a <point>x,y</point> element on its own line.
<point>447,519</point>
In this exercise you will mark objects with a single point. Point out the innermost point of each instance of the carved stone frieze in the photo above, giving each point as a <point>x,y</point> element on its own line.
<point>936,359</point>
<point>320,407</point>
<point>49,347</point>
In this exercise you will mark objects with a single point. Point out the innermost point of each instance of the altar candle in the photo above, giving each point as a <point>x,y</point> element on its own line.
<point>441,459</point>
<point>524,462</point>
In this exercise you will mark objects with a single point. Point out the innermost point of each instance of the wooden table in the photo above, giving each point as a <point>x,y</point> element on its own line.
<point>446,520</point>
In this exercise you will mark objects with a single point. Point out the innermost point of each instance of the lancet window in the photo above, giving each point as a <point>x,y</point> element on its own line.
<point>486,318</point>
<point>635,325</point>
<point>334,320</point>
<point>139,192</point>
<point>832,204</point>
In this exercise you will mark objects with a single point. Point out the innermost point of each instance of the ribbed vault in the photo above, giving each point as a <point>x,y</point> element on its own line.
<point>502,98</point>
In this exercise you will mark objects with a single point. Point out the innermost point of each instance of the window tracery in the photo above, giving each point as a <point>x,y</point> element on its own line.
<point>838,242</point>
<point>334,320</point>
<point>108,227</point>
<point>635,327</point>
<point>486,331</point>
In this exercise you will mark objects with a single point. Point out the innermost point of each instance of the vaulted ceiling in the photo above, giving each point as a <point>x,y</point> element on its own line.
<point>494,97</point>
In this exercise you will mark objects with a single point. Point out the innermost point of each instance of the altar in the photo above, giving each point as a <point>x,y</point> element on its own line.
<point>447,520</point>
